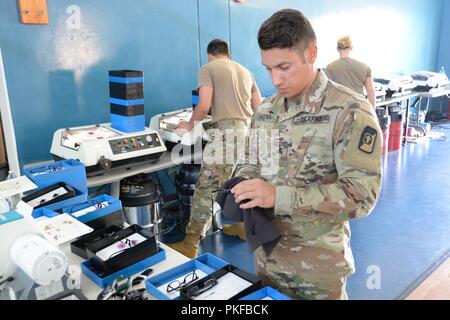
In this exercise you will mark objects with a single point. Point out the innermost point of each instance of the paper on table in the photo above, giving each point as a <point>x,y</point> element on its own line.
<point>24,209</point>
<point>63,228</point>
<point>15,186</point>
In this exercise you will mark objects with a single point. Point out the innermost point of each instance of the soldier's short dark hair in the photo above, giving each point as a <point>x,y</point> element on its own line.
<point>287,28</point>
<point>217,47</point>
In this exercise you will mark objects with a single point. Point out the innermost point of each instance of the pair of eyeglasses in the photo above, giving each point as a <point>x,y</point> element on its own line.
<point>221,191</point>
<point>46,169</point>
<point>228,191</point>
<point>55,195</point>
<point>212,197</point>
<point>197,290</point>
<point>94,203</point>
<point>126,243</point>
<point>101,205</point>
<point>177,285</point>
<point>123,245</point>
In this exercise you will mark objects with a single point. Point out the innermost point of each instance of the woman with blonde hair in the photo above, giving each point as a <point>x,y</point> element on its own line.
<point>351,73</point>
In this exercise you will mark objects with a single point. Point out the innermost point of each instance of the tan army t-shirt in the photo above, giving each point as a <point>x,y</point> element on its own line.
<point>350,73</point>
<point>233,87</point>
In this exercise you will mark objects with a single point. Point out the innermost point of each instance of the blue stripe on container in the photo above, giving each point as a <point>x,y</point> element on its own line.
<point>128,124</point>
<point>126,80</point>
<point>126,102</point>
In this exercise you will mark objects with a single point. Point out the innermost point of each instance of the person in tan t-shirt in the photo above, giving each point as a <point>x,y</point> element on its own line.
<point>231,92</point>
<point>351,73</point>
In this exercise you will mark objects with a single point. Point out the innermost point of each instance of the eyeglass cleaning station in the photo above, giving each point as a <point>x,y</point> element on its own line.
<point>64,243</point>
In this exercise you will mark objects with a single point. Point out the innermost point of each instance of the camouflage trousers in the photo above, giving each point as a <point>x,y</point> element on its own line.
<point>291,274</point>
<point>226,140</point>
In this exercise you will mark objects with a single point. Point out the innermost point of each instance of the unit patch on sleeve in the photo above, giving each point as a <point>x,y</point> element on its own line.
<point>367,140</point>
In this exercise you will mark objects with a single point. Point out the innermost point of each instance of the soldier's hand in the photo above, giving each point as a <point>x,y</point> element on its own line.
<point>183,127</point>
<point>257,191</point>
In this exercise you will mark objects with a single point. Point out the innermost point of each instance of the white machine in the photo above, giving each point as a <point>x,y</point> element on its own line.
<point>39,259</point>
<point>100,147</point>
<point>27,260</point>
<point>427,80</point>
<point>395,84</point>
<point>380,92</point>
<point>166,123</point>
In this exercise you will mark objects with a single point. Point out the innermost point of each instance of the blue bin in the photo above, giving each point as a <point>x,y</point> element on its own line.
<point>264,293</point>
<point>127,272</point>
<point>79,197</point>
<point>114,205</point>
<point>44,212</point>
<point>71,172</point>
<point>207,263</point>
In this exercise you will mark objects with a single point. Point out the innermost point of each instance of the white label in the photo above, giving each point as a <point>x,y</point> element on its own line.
<point>44,292</point>
<point>85,211</point>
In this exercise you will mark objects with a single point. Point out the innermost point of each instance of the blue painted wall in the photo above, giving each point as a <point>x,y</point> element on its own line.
<point>444,44</point>
<point>57,76</point>
<point>442,104</point>
<point>397,36</point>
<point>213,23</point>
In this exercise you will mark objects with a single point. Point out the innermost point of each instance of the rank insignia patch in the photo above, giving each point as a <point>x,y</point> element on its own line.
<point>367,140</point>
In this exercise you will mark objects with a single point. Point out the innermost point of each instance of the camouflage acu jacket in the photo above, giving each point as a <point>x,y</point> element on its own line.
<point>326,167</point>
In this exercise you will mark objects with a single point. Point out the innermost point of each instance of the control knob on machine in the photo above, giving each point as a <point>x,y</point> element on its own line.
<point>148,138</point>
<point>104,163</point>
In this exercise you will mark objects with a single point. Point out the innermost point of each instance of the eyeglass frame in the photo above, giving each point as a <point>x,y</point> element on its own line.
<point>228,191</point>
<point>45,169</point>
<point>183,283</point>
<point>130,243</point>
<point>95,203</point>
<point>208,284</point>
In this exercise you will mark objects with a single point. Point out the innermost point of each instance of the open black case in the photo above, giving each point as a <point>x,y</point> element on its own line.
<point>79,246</point>
<point>52,194</point>
<point>125,257</point>
<point>227,283</point>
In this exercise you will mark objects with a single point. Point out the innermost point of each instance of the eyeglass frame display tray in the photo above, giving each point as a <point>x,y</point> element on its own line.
<point>124,273</point>
<point>255,285</point>
<point>207,263</point>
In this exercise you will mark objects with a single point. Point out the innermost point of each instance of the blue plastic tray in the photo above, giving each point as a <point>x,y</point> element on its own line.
<point>266,292</point>
<point>207,263</point>
<point>127,272</point>
<point>40,212</point>
<point>114,205</point>
<point>71,172</point>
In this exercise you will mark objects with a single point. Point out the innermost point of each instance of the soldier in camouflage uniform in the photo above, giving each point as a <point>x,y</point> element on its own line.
<point>215,170</point>
<point>329,165</point>
<point>230,90</point>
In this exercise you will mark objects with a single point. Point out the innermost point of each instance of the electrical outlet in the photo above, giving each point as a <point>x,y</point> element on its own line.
<point>33,11</point>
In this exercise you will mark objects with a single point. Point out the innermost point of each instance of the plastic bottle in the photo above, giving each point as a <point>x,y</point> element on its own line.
<point>14,199</point>
<point>442,70</point>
